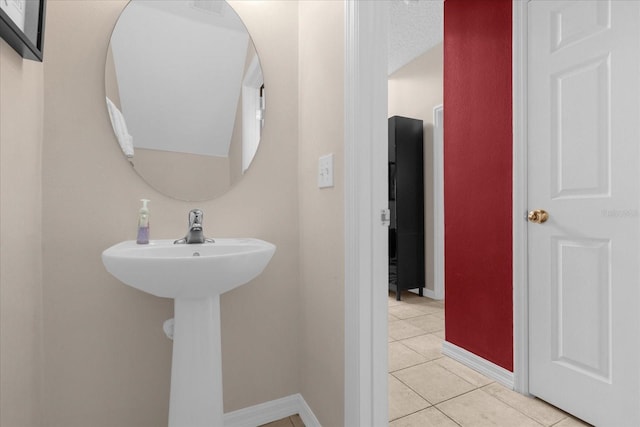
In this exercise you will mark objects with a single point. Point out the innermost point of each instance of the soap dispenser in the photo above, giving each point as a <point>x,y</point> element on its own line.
<point>143,223</point>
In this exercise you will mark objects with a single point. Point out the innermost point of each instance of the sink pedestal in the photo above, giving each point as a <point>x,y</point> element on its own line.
<point>194,275</point>
<point>196,368</point>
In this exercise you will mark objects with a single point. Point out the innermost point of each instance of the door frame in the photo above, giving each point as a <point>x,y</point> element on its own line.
<point>519,48</point>
<point>438,204</point>
<point>366,235</point>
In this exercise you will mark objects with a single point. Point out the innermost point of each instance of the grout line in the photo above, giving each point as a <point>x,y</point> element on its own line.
<point>440,311</point>
<point>477,387</point>
<point>500,400</point>
<point>413,390</point>
<point>448,399</point>
<point>422,335</point>
<point>417,364</point>
<point>555,424</point>
<point>451,372</point>
<point>432,405</point>
<point>455,397</point>
<point>446,415</point>
<point>526,415</point>
<point>411,413</point>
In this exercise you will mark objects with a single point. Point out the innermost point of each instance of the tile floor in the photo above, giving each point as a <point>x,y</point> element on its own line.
<point>292,421</point>
<point>429,389</point>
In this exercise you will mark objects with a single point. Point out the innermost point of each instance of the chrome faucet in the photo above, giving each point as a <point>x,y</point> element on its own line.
<point>194,233</point>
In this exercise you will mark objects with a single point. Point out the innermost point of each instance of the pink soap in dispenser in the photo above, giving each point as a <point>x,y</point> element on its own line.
<point>143,223</point>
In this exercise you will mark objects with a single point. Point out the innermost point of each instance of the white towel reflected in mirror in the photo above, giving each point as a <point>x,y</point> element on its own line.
<point>120,128</point>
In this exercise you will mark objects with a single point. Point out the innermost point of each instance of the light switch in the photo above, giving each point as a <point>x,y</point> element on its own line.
<point>325,171</point>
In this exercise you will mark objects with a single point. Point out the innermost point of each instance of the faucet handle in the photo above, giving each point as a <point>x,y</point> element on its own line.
<point>194,231</point>
<point>195,217</point>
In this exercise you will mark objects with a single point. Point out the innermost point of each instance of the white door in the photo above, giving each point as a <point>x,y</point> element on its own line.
<point>584,163</point>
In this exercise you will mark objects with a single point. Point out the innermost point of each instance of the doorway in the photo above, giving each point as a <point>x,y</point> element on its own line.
<point>415,91</point>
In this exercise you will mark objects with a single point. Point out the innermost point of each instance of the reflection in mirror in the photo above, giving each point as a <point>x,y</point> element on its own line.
<point>185,95</point>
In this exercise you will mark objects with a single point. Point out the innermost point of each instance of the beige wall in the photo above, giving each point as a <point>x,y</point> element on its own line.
<point>414,90</point>
<point>107,361</point>
<point>321,75</point>
<point>21,109</point>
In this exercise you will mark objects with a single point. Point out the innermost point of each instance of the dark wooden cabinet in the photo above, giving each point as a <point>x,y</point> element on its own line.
<point>406,203</point>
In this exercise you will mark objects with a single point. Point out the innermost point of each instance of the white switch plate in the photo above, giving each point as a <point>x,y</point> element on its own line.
<point>325,171</point>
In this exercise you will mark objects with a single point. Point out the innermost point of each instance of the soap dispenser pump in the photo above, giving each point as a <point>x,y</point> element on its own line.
<point>143,223</point>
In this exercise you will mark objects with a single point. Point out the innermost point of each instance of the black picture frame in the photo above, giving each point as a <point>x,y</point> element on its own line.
<point>28,44</point>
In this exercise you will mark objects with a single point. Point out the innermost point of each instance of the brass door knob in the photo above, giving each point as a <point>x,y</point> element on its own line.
<point>538,216</point>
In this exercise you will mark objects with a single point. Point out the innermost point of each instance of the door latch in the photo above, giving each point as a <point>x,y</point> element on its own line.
<point>385,217</point>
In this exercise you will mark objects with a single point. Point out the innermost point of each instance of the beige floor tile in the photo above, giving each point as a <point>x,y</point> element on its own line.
<point>464,372</point>
<point>429,417</point>
<point>401,357</point>
<point>439,314</point>
<point>440,334</point>
<point>433,382</point>
<point>408,296</point>
<point>431,302</point>
<point>479,409</point>
<point>426,306</point>
<point>391,317</point>
<point>427,309</point>
<point>401,329</point>
<point>425,302</point>
<point>405,311</point>
<point>430,346</point>
<point>428,323</point>
<point>296,421</point>
<point>402,400</point>
<point>572,422</point>
<point>392,300</point>
<point>535,408</point>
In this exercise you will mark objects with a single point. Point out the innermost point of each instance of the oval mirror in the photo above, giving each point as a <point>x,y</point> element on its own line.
<point>185,95</point>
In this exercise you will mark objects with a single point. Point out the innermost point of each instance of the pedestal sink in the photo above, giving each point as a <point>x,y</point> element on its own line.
<point>194,276</point>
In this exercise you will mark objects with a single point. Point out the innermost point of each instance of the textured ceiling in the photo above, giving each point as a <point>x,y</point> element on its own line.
<point>415,26</point>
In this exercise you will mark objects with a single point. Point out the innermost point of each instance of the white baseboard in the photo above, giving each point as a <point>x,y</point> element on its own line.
<point>432,294</point>
<point>488,369</point>
<point>274,410</point>
<point>427,293</point>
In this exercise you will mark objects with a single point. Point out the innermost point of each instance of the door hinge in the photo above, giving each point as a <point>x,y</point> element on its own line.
<point>385,217</point>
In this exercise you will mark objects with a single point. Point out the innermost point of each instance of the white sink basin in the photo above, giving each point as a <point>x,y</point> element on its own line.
<point>164,269</point>
<point>194,275</point>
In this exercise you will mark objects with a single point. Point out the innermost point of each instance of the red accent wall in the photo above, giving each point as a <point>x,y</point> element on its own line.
<point>478,178</point>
